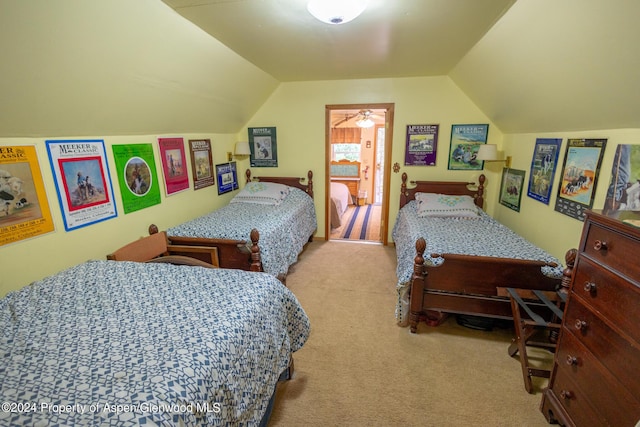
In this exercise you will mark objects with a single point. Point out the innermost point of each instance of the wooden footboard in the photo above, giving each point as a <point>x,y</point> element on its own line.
<point>230,253</point>
<point>466,284</point>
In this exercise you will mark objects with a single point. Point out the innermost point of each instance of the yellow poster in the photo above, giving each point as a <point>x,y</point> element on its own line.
<point>24,209</point>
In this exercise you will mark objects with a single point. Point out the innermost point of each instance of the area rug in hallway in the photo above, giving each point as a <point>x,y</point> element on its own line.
<point>359,223</point>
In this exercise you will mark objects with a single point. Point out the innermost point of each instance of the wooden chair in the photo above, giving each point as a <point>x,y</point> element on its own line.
<point>155,248</point>
<point>533,311</point>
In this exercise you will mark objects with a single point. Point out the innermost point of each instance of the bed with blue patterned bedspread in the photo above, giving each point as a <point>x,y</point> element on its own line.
<point>284,228</point>
<point>128,344</point>
<point>479,237</point>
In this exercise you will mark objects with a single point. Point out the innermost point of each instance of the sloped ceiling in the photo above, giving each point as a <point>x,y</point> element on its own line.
<point>111,67</point>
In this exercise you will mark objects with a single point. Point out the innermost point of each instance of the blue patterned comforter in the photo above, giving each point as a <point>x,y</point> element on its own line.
<point>128,344</point>
<point>284,229</point>
<point>482,236</point>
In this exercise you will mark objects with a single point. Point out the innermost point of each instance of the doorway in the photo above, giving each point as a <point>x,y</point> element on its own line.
<point>358,140</point>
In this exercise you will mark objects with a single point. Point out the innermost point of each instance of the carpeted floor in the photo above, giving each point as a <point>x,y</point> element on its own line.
<point>359,368</point>
<point>359,223</point>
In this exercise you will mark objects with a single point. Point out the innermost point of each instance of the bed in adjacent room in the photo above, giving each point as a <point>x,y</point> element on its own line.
<point>340,201</point>
<point>130,343</point>
<point>267,223</point>
<point>452,256</point>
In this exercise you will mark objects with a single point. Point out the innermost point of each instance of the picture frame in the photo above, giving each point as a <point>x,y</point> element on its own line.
<point>201,163</point>
<point>174,167</point>
<point>83,182</point>
<point>264,147</point>
<point>511,186</point>
<point>137,176</point>
<point>464,145</point>
<point>579,178</point>
<point>543,168</point>
<point>623,193</point>
<point>227,177</point>
<point>421,145</point>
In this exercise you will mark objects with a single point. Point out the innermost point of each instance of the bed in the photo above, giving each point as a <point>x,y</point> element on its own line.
<point>340,201</point>
<point>251,232</point>
<point>131,343</point>
<point>453,260</point>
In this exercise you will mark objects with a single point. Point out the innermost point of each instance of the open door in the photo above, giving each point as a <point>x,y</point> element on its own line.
<point>369,187</point>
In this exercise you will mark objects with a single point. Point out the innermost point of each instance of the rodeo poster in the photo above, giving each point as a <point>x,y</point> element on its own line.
<point>137,176</point>
<point>24,209</point>
<point>81,175</point>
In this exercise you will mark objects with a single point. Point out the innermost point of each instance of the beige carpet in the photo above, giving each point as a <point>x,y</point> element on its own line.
<point>359,223</point>
<point>359,369</point>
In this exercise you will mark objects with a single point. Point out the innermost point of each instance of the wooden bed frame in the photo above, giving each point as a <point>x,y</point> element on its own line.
<point>465,284</point>
<point>352,181</point>
<point>230,253</point>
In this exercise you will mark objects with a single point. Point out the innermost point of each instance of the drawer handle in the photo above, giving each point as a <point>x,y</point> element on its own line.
<point>589,287</point>
<point>600,245</point>
<point>566,394</point>
<point>580,324</point>
<point>572,360</point>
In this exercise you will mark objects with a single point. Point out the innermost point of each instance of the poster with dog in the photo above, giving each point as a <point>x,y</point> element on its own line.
<point>137,177</point>
<point>82,179</point>
<point>24,208</point>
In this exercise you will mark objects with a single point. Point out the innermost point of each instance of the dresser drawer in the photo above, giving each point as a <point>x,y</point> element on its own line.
<point>605,394</point>
<point>611,248</point>
<point>574,402</point>
<point>615,352</point>
<point>612,296</point>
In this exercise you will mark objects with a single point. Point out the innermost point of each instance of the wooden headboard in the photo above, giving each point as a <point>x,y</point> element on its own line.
<point>287,180</point>
<point>454,188</point>
<point>344,169</point>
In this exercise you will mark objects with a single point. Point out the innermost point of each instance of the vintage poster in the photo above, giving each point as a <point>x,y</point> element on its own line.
<point>264,147</point>
<point>24,208</point>
<point>174,167</point>
<point>543,168</point>
<point>422,144</point>
<point>511,188</point>
<point>227,176</point>
<point>83,183</point>
<point>579,176</point>
<point>465,141</point>
<point>137,176</point>
<point>623,193</point>
<point>201,163</point>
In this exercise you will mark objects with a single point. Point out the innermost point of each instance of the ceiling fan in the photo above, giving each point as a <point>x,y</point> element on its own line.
<point>364,119</point>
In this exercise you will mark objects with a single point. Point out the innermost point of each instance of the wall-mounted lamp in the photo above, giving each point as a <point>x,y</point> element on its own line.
<point>489,153</point>
<point>241,151</point>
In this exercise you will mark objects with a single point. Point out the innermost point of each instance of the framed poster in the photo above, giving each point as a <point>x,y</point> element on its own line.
<point>579,176</point>
<point>465,141</point>
<point>422,144</point>
<point>81,175</point>
<point>227,177</point>
<point>511,188</point>
<point>201,163</point>
<point>543,168</point>
<point>24,208</point>
<point>623,193</point>
<point>137,176</point>
<point>264,147</point>
<point>174,167</point>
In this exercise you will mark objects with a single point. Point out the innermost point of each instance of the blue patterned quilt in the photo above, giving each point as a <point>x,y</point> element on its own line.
<point>284,229</point>
<point>126,344</point>
<point>482,236</point>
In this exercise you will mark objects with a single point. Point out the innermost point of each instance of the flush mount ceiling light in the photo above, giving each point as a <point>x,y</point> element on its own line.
<point>336,11</point>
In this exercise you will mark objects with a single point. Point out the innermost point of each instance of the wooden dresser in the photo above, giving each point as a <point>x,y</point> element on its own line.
<point>595,379</point>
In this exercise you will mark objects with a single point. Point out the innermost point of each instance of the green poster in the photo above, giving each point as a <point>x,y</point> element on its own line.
<point>136,168</point>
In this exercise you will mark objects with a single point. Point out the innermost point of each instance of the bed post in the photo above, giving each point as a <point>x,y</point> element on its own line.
<point>403,190</point>
<point>248,175</point>
<point>480,193</point>
<point>256,260</point>
<point>417,282</point>
<point>310,183</point>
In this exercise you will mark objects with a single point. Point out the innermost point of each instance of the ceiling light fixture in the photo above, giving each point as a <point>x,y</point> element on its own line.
<point>336,11</point>
<point>365,122</point>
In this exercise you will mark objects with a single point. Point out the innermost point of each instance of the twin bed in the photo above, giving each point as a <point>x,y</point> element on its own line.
<point>263,228</point>
<point>345,185</point>
<point>452,256</point>
<point>131,343</point>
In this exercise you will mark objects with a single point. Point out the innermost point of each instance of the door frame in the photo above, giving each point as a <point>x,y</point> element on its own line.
<point>389,113</point>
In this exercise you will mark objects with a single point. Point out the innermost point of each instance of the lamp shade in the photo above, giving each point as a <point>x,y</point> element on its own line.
<point>365,123</point>
<point>242,149</point>
<point>336,11</point>
<point>487,152</point>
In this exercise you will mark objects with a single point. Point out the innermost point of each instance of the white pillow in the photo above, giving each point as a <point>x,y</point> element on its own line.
<point>263,193</point>
<point>445,205</point>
